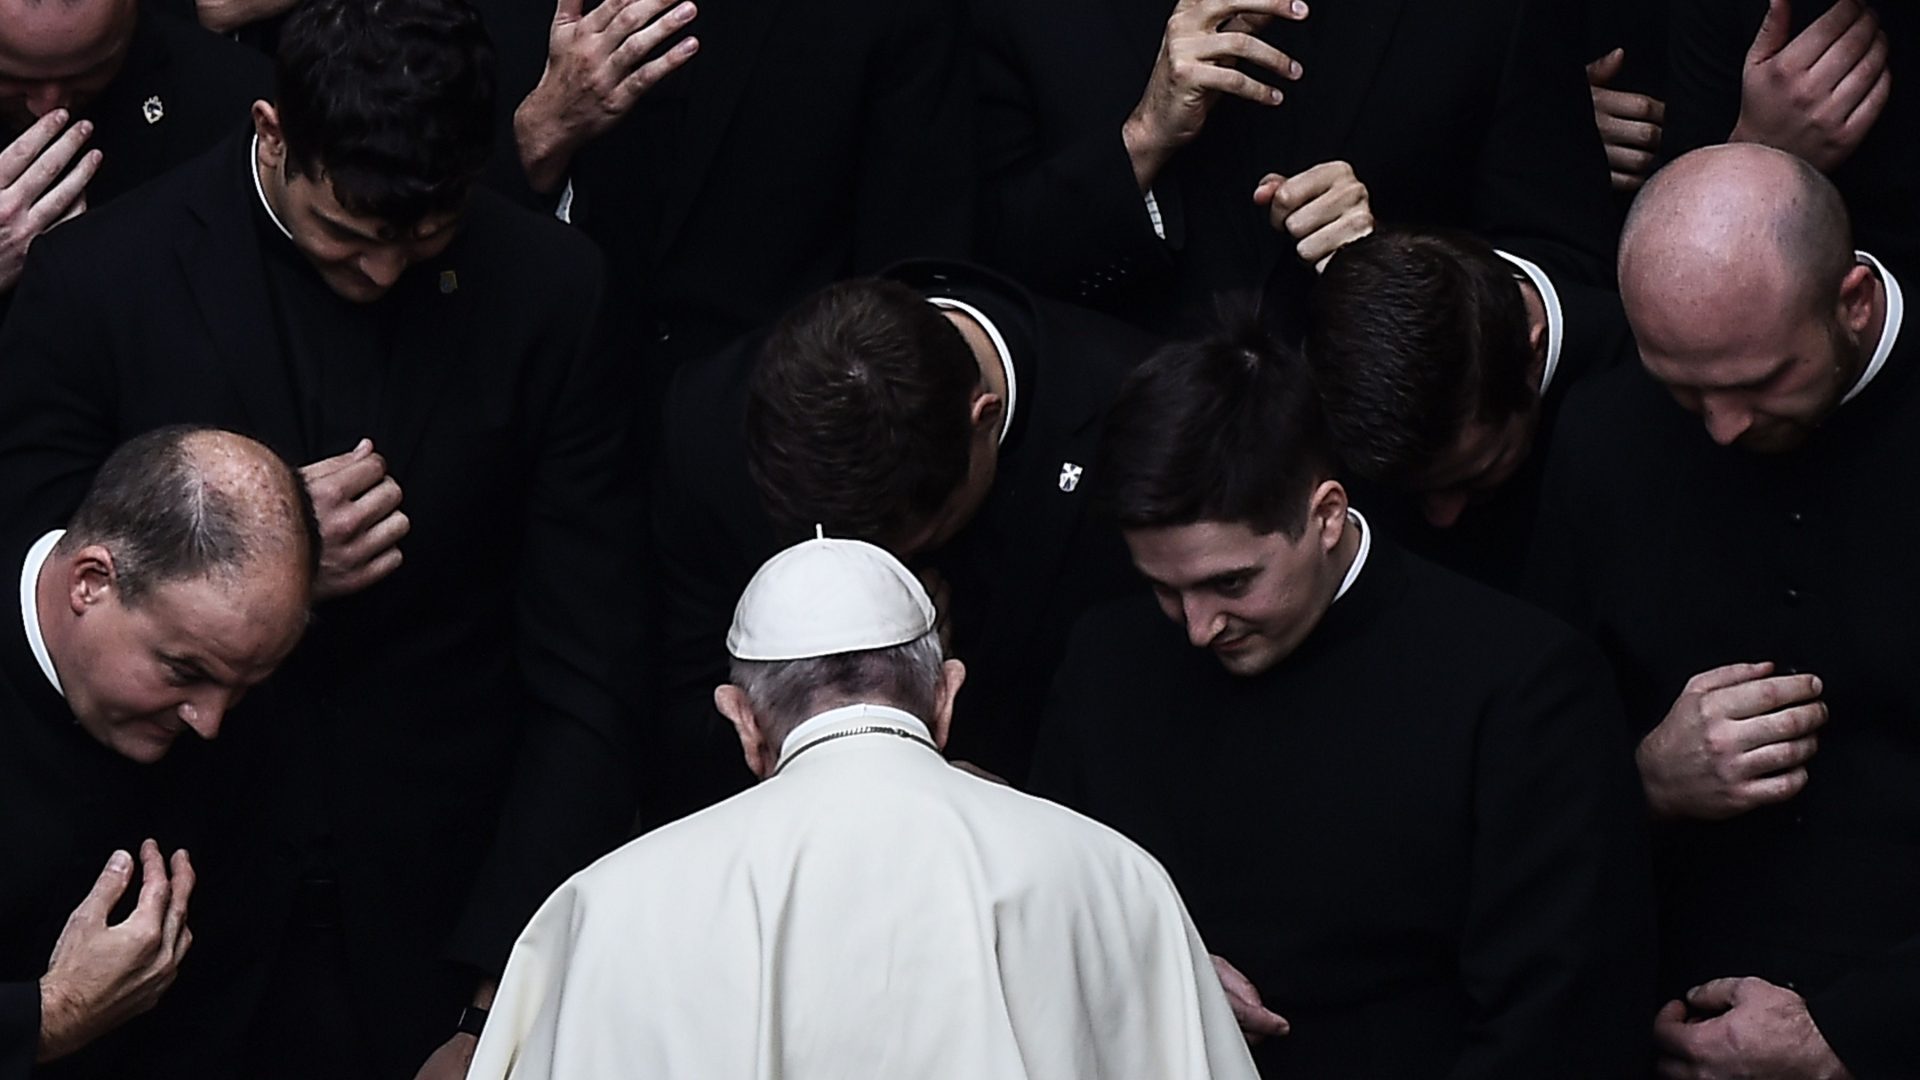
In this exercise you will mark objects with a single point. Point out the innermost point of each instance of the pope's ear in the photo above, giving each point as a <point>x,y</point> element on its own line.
<point>733,704</point>
<point>953,674</point>
<point>91,577</point>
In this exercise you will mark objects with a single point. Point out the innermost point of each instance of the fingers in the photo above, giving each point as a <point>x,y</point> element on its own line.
<point>1805,50</point>
<point>1863,117</point>
<point>25,149</point>
<point>1728,675</point>
<point>1716,995</point>
<point>348,482</point>
<point>149,911</point>
<point>1668,1024</point>
<point>644,77</point>
<point>1767,790</point>
<point>1859,80</point>
<point>328,466</point>
<point>1758,697</point>
<point>175,923</point>
<point>1775,32</point>
<point>1787,725</point>
<point>1246,47</point>
<point>1210,14</point>
<point>45,169</point>
<point>107,889</point>
<point>1847,52</point>
<point>58,204</point>
<point>597,20</point>
<point>1607,68</point>
<point>566,11</point>
<point>1629,119</point>
<point>642,26</point>
<point>1222,80</point>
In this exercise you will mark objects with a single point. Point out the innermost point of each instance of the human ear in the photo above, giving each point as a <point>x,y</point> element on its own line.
<point>953,674</point>
<point>1327,513</point>
<point>733,704</point>
<point>266,125</point>
<point>91,577</point>
<point>985,411</point>
<point>1856,299</point>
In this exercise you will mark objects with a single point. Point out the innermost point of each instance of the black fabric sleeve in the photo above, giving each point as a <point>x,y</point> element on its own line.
<point>1707,46</point>
<point>1557,954</point>
<point>1867,1017</point>
<point>578,614</point>
<point>19,1029</point>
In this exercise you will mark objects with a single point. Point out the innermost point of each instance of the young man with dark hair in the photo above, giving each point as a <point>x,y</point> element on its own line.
<point>1441,373</point>
<point>454,740</point>
<point>181,581</point>
<point>1395,799</point>
<point>939,410</point>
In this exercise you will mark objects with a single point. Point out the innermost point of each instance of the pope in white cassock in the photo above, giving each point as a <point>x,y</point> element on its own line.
<point>868,910</point>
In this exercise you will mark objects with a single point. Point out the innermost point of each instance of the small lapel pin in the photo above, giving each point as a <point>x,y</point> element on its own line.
<point>449,281</point>
<point>153,109</point>
<point>1069,475</point>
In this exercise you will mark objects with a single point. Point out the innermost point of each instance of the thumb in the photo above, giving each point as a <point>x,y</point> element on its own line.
<point>566,11</point>
<point>107,888</point>
<point>1607,68</point>
<point>1715,997</point>
<point>1775,32</point>
<point>1267,188</point>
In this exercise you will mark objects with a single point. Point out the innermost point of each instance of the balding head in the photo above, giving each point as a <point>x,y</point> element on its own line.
<point>1739,279</point>
<point>183,579</point>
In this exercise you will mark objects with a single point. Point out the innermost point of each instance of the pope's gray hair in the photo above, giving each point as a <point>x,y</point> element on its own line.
<point>784,693</point>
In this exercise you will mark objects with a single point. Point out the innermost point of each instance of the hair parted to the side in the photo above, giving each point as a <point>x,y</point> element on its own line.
<point>784,693</point>
<point>390,100</point>
<point>1412,336</point>
<point>1226,428</point>
<point>858,413</point>
<point>155,508</point>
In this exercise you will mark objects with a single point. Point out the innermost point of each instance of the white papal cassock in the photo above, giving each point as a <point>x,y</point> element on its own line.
<point>868,911</point>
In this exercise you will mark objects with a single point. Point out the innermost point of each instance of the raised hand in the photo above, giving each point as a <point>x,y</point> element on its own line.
<point>37,189</point>
<point>1816,95</point>
<point>361,524</point>
<point>1630,124</point>
<point>1322,209</point>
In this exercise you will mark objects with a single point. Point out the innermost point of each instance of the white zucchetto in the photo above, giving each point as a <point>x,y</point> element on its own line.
<point>824,597</point>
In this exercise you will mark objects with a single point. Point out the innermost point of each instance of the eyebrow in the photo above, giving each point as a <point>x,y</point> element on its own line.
<point>191,663</point>
<point>1214,580</point>
<point>339,225</point>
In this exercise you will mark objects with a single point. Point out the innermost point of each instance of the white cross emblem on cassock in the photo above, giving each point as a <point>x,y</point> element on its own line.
<point>1069,475</point>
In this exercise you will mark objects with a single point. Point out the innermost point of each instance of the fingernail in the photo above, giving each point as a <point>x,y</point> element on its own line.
<point>86,127</point>
<point>1299,9</point>
<point>119,862</point>
<point>1293,69</point>
<point>1275,96</point>
<point>60,117</point>
<point>1816,684</point>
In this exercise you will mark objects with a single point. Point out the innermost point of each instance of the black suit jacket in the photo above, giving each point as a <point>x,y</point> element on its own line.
<point>805,143</point>
<point>1020,572</point>
<point>1472,115</point>
<point>458,732</point>
<point>1417,835</point>
<point>1681,556</point>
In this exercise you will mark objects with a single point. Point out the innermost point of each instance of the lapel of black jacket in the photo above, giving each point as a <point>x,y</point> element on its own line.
<point>731,35</point>
<point>227,277</point>
<point>1351,39</point>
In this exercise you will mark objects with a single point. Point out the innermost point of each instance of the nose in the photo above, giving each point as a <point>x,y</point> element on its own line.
<point>1204,622</point>
<point>383,268</point>
<point>1443,508</point>
<point>1725,421</point>
<point>203,717</point>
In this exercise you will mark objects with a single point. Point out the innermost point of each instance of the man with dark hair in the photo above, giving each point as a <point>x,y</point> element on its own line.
<point>1733,519</point>
<point>455,738</point>
<point>1440,373</point>
<point>181,582</point>
<point>938,410</point>
<point>1397,800</point>
<point>98,96</point>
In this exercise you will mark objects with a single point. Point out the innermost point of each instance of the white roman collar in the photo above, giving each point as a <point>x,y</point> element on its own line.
<point>1359,557</point>
<point>30,603</point>
<point>853,720</point>
<point>253,168</point>
<point>999,346</point>
<point>1896,310</point>
<point>1556,316</point>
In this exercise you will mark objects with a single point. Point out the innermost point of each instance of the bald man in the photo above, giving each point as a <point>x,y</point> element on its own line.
<point>1734,520</point>
<point>182,580</point>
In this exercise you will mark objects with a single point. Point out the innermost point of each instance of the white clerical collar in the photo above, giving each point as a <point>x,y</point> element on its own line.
<point>999,346</point>
<point>850,720</point>
<point>253,167</point>
<point>1896,309</point>
<point>1556,317</point>
<point>30,603</point>
<point>1359,557</point>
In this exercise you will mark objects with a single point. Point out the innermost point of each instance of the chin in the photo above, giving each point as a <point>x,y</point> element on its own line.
<point>1252,659</point>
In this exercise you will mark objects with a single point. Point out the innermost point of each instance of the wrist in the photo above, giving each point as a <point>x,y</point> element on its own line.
<point>1146,151</point>
<point>546,150</point>
<point>58,1022</point>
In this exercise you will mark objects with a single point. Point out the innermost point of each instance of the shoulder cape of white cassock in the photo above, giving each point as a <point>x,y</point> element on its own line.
<point>870,911</point>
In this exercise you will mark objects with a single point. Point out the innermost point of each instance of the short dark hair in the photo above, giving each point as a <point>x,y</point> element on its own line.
<point>858,413</point>
<point>1226,428</point>
<point>1413,335</point>
<point>390,100</point>
<point>154,505</point>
